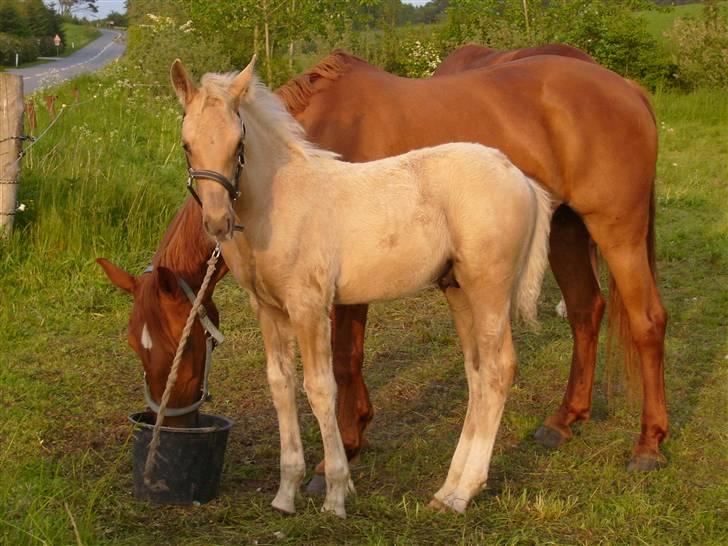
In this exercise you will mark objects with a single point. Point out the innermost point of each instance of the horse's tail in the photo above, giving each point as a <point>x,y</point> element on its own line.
<point>618,330</point>
<point>536,260</point>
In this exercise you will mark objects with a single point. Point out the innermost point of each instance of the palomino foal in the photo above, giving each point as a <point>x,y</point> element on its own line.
<point>318,231</point>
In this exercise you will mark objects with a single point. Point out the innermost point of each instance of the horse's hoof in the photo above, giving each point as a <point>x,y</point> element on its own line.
<point>646,463</point>
<point>317,485</point>
<point>549,437</point>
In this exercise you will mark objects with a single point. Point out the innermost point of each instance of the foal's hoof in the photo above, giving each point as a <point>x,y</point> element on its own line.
<point>286,509</point>
<point>450,504</point>
<point>317,485</point>
<point>438,506</point>
<point>646,463</point>
<point>549,437</point>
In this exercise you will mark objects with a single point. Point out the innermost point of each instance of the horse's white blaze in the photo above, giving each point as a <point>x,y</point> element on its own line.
<point>146,338</point>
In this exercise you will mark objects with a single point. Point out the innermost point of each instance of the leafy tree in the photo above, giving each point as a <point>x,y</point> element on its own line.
<point>67,7</point>
<point>118,19</point>
<point>40,18</point>
<point>12,21</point>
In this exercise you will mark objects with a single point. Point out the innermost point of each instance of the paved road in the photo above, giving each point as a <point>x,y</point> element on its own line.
<point>101,51</point>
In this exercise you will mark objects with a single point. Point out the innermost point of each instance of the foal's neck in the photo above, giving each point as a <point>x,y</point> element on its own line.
<point>267,151</point>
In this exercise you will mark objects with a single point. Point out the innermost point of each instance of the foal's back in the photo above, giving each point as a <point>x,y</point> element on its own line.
<point>398,222</point>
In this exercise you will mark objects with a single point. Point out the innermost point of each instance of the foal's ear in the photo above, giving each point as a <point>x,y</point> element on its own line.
<point>241,83</point>
<point>182,83</point>
<point>168,283</point>
<point>119,277</point>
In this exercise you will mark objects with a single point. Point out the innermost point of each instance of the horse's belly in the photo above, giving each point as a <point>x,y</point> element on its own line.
<point>397,265</point>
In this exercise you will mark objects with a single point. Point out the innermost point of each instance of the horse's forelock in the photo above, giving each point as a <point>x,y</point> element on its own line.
<point>216,84</point>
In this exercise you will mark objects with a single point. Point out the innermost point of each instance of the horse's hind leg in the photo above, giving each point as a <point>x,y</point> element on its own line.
<point>354,409</point>
<point>624,248</point>
<point>570,258</point>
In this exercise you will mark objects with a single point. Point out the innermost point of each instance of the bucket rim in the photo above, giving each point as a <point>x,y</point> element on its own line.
<point>225,424</point>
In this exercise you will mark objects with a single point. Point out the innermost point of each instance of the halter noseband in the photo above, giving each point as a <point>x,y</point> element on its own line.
<point>231,186</point>
<point>213,338</point>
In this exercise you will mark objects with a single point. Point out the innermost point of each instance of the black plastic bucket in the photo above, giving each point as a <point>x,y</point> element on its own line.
<point>189,460</point>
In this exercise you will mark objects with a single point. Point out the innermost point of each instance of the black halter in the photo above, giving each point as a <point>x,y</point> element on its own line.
<point>231,186</point>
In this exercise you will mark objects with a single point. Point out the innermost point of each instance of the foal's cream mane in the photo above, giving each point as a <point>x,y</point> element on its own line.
<point>268,109</point>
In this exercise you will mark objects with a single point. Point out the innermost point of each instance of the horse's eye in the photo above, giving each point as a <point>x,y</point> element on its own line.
<point>186,147</point>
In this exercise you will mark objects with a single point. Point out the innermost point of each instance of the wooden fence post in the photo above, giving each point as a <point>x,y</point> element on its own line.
<point>11,125</point>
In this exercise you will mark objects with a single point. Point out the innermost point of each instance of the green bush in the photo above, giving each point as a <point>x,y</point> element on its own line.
<point>701,49</point>
<point>155,41</point>
<point>609,30</point>
<point>614,35</point>
<point>27,48</point>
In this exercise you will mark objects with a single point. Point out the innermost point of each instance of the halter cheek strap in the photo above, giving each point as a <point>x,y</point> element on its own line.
<point>213,338</point>
<point>231,186</point>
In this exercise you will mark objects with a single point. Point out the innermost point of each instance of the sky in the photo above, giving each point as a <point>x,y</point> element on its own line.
<point>105,7</point>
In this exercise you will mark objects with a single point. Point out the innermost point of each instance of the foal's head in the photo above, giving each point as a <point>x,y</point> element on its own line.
<point>213,139</point>
<point>155,328</point>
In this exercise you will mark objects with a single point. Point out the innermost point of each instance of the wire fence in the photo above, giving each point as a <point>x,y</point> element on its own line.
<point>33,141</point>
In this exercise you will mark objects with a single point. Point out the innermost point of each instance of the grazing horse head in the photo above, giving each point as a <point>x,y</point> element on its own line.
<point>213,139</point>
<point>161,307</point>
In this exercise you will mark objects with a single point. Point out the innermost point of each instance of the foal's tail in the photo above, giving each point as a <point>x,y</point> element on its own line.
<point>536,259</point>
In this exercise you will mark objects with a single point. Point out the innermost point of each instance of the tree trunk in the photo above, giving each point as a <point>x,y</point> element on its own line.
<point>528,23</point>
<point>11,125</point>
<point>268,65</point>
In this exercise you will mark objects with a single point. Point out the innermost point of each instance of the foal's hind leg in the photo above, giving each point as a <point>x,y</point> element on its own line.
<point>489,378</point>
<point>575,273</point>
<point>463,319</point>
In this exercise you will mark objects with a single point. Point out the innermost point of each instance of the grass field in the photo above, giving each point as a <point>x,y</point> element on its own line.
<point>106,181</point>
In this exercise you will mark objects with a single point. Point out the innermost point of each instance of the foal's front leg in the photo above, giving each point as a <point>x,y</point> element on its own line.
<point>313,331</point>
<point>279,342</point>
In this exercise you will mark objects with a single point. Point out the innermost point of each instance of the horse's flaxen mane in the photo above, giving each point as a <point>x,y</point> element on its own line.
<point>297,93</point>
<point>267,108</point>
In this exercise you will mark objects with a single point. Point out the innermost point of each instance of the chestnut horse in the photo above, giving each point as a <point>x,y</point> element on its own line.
<point>540,112</point>
<point>472,56</point>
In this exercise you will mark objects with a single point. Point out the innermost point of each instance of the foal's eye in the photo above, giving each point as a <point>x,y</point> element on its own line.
<point>186,147</point>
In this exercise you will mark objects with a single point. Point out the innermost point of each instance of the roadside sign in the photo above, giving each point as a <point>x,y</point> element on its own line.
<point>57,40</point>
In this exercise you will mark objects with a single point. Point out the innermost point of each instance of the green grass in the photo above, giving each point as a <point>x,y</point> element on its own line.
<point>77,36</point>
<point>106,181</point>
